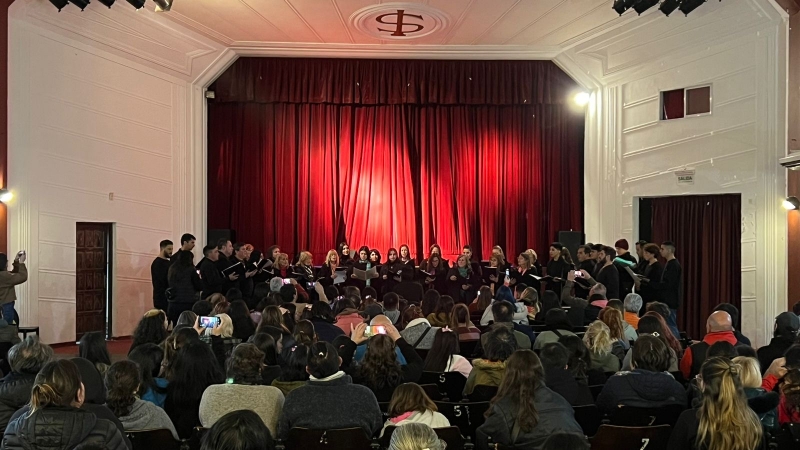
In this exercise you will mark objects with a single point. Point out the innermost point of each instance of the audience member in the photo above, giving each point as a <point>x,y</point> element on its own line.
<point>723,421</point>
<point>525,412</point>
<point>26,360</point>
<point>361,350</point>
<point>184,284</point>
<point>415,436</point>
<point>503,314</point>
<point>580,362</point>
<point>628,331</point>
<point>654,325</point>
<point>440,317</point>
<point>273,316</point>
<point>391,303</point>
<point>271,369</point>
<point>557,324</point>
<point>242,390</point>
<point>148,358</point>
<point>330,397</point>
<point>519,312</point>
<point>304,333</point>
<point>418,331</point>
<point>633,304</point>
<point>559,378</point>
<point>293,372</point>
<point>483,300</point>
<point>323,320</point>
<point>151,329</point>
<point>733,311</point>
<point>784,373</point>
<point>648,385</point>
<point>751,382</point>
<point>461,323</point>
<point>718,328</point>
<point>123,381</point>
<point>784,335</point>
<point>347,315</point>
<point>489,370</point>
<point>238,430</point>
<point>606,353</point>
<point>92,346</point>
<point>186,319</point>
<point>204,307</point>
<point>243,326</point>
<point>54,418</point>
<point>409,405</point>
<point>613,320</point>
<point>444,357</point>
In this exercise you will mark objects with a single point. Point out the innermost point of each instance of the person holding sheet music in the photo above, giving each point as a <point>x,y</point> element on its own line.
<point>360,268</point>
<point>557,267</point>
<point>405,258</point>
<point>225,252</point>
<point>652,272</point>
<point>392,272</point>
<point>435,250</point>
<point>210,274</point>
<point>608,275</point>
<point>462,282</point>
<point>585,263</point>
<point>375,261</point>
<point>344,254</point>
<point>327,273</point>
<point>525,272</point>
<point>435,274</point>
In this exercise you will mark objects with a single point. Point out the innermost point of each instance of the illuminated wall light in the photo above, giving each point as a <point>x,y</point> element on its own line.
<point>6,195</point>
<point>790,204</point>
<point>582,98</point>
<point>163,5</point>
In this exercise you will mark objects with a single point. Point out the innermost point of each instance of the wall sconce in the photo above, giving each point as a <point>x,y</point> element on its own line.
<point>791,203</point>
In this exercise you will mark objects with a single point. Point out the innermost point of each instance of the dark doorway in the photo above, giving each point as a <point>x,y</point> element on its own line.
<point>706,230</point>
<point>93,266</point>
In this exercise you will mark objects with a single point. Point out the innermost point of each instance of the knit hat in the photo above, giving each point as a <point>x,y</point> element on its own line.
<point>276,284</point>
<point>371,311</point>
<point>622,243</point>
<point>788,322</point>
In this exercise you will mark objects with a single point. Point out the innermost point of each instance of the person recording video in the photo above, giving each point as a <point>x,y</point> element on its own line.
<point>8,280</point>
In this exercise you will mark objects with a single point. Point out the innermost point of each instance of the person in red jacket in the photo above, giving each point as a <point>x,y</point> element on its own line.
<point>719,327</point>
<point>785,374</point>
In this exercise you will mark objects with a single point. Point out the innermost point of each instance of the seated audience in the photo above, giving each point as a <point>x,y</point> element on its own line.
<point>784,335</point>
<point>519,310</point>
<point>124,383</point>
<point>323,320</point>
<point>54,419</point>
<point>242,390</point>
<point>758,398</point>
<point>525,412</point>
<point>415,436</point>
<point>606,353</point>
<point>347,315</point>
<point>380,370</point>
<point>566,441</point>
<point>489,370</point>
<point>243,326</point>
<point>632,305</point>
<point>273,316</point>
<point>613,319</point>
<point>733,311</point>
<point>92,347</point>
<point>148,358</point>
<point>557,324</point>
<point>628,331</point>
<point>559,378</point>
<point>271,369</point>
<point>461,323</point>
<point>151,329</point>
<point>293,372</point>
<point>391,303</point>
<point>723,421</point>
<point>440,317</point>
<point>418,331</point>
<point>503,313</point>
<point>648,385</point>
<point>444,357</point>
<point>785,374</point>
<point>330,397</point>
<point>718,328</point>
<point>410,404</point>
<point>194,369</point>
<point>361,350</point>
<point>26,360</point>
<point>94,397</point>
<point>186,319</point>
<point>304,333</point>
<point>580,362</point>
<point>238,430</point>
<point>654,325</point>
<point>482,301</point>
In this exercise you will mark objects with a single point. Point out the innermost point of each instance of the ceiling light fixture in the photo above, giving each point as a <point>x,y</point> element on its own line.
<point>138,4</point>
<point>790,204</point>
<point>582,98</point>
<point>668,6</point>
<point>82,4</point>
<point>6,195</point>
<point>108,3</point>
<point>60,4</point>
<point>163,5</point>
<point>620,6</point>
<point>688,6</point>
<point>643,5</point>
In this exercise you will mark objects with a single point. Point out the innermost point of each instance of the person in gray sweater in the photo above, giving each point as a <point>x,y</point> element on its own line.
<point>123,382</point>
<point>330,400</point>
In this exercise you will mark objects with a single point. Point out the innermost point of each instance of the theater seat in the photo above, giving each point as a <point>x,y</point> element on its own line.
<point>642,417</point>
<point>589,418</point>
<point>610,437</point>
<point>466,416</point>
<point>153,439</point>
<point>788,438</point>
<point>450,384</point>
<point>482,393</point>
<point>432,391</point>
<point>340,439</point>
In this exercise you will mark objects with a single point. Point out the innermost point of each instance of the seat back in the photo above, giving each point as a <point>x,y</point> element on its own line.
<point>611,437</point>
<point>467,348</point>
<point>384,406</point>
<point>788,438</point>
<point>482,393</point>
<point>450,384</point>
<point>589,418</point>
<point>596,389</point>
<point>339,439</point>
<point>409,290</point>
<point>466,416</point>
<point>643,417</point>
<point>153,439</point>
<point>432,391</point>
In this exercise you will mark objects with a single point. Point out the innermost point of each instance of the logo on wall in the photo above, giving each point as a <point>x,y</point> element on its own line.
<point>399,21</point>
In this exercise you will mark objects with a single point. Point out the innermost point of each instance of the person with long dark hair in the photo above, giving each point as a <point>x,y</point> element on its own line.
<point>444,357</point>
<point>440,317</point>
<point>184,286</point>
<point>580,361</point>
<point>408,260</point>
<point>425,265</point>
<point>524,413</point>
<point>152,329</point>
<point>410,404</point>
<point>293,373</point>
<point>482,301</point>
<point>344,254</point>
<point>322,319</point>
<point>238,430</point>
<point>462,281</point>
<point>92,347</point>
<point>243,326</point>
<point>461,323</point>
<point>392,272</point>
<point>195,368</point>
<point>124,384</point>
<point>148,358</point>
<point>557,267</point>
<point>267,344</point>
<point>362,262</point>
<point>434,274</point>
<point>525,273</point>
<point>651,324</point>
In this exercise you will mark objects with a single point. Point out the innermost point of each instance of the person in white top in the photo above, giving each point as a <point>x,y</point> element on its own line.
<point>410,404</point>
<point>443,355</point>
<point>504,293</point>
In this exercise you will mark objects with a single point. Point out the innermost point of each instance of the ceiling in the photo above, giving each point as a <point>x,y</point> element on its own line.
<point>545,25</point>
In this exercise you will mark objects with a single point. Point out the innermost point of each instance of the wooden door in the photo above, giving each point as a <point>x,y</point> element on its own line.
<point>92,264</point>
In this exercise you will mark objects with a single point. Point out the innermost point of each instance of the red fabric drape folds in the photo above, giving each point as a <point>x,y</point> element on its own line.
<point>308,165</point>
<point>707,232</point>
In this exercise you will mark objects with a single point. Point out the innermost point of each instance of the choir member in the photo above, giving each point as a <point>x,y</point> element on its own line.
<point>282,268</point>
<point>327,273</point>
<point>375,260</point>
<point>557,267</point>
<point>272,253</point>
<point>525,272</point>
<point>462,281</point>
<point>652,271</point>
<point>642,264</point>
<point>435,277</point>
<point>608,274</point>
<point>475,265</point>
<point>362,263</point>
<point>241,255</point>
<point>344,254</point>
<point>535,259</point>
<point>305,268</point>
<point>225,248</point>
<point>405,258</point>
<point>625,280</point>
<point>392,272</point>
<point>586,263</point>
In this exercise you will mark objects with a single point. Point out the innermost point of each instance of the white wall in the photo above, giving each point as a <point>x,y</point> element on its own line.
<point>87,121</point>
<point>738,47</point>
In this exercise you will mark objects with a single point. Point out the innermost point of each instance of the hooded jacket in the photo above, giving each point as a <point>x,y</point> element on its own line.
<point>485,373</point>
<point>61,428</point>
<point>15,392</point>
<point>641,389</point>
<point>147,416</point>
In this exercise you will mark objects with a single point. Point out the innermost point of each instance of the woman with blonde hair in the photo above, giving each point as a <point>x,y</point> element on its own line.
<point>410,404</point>
<point>723,421</point>
<point>461,323</point>
<point>416,436</point>
<point>601,347</point>
<point>613,319</point>
<point>530,298</point>
<point>751,382</point>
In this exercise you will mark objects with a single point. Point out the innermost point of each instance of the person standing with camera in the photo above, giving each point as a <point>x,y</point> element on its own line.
<point>8,281</point>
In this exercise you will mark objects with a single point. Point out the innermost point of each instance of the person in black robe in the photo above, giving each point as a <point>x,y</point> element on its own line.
<point>362,263</point>
<point>210,275</point>
<point>625,279</point>
<point>409,273</point>
<point>435,275</point>
<point>187,245</point>
<point>642,264</point>
<point>304,271</point>
<point>462,282</point>
<point>375,259</point>
<point>651,272</point>
<point>525,273</point>
<point>585,263</point>
<point>327,273</point>
<point>475,265</point>
<point>344,254</point>
<point>557,267</point>
<point>435,250</point>
<point>391,272</point>
<point>246,273</point>
<point>158,274</point>
<point>608,275</point>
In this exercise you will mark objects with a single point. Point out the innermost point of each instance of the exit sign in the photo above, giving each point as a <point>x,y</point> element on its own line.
<point>685,176</point>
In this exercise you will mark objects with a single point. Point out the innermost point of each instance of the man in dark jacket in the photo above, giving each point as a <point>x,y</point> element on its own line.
<point>159,271</point>
<point>210,274</point>
<point>787,325</point>
<point>669,287</point>
<point>26,359</point>
<point>555,360</point>
<point>625,280</point>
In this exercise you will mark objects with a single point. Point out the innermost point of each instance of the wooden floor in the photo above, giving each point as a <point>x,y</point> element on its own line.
<point>118,348</point>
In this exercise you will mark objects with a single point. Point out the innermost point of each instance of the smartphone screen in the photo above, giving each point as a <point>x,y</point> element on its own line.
<point>209,322</point>
<point>287,281</point>
<point>374,329</point>
<point>578,274</point>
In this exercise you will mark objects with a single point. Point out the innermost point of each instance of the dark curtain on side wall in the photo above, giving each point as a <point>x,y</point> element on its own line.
<point>706,230</point>
<point>306,153</point>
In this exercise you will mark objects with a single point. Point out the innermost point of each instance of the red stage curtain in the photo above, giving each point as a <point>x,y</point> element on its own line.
<point>308,174</point>
<point>706,230</point>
